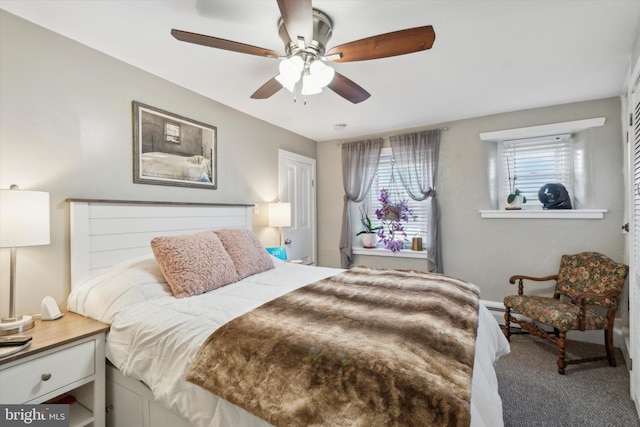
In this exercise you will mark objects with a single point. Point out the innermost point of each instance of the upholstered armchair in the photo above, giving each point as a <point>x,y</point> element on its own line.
<point>584,282</point>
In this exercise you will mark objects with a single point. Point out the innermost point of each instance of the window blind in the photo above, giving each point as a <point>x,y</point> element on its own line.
<point>535,162</point>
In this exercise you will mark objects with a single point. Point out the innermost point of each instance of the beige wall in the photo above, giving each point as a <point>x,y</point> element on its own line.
<point>488,251</point>
<point>635,53</point>
<point>66,128</point>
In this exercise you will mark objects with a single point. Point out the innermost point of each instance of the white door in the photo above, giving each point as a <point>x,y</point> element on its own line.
<point>297,186</point>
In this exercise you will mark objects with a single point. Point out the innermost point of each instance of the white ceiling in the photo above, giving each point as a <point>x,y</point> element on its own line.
<point>488,57</point>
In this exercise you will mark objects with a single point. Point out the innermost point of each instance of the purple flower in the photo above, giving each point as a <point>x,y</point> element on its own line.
<point>392,214</point>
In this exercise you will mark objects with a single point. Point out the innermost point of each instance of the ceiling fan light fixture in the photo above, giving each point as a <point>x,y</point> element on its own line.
<point>291,68</point>
<point>320,73</point>
<point>309,86</point>
<point>290,72</point>
<point>286,83</point>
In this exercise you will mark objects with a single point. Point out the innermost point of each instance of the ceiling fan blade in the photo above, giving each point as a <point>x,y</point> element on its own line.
<point>297,16</point>
<point>210,41</point>
<point>348,89</point>
<point>385,45</point>
<point>267,90</point>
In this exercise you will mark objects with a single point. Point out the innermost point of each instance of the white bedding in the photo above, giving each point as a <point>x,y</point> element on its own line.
<point>154,336</point>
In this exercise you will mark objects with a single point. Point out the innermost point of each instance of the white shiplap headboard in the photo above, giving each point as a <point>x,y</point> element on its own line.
<point>105,232</point>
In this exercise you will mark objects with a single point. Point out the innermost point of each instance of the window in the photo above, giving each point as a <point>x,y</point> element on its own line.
<point>172,133</point>
<point>383,180</point>
<point>535,162</point>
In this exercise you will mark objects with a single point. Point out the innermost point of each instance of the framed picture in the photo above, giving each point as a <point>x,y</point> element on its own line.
<point>172,150</point>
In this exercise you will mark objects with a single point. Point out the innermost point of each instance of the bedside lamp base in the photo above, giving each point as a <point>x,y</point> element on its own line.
<point>14,325</point>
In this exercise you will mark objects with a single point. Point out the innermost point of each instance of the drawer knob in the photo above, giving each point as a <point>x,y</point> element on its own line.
<point>46,377</point>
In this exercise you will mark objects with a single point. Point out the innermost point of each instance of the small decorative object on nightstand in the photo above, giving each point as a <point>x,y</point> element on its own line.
<point>65,360</point>
<point>49,309</point>
<point>279,252</point>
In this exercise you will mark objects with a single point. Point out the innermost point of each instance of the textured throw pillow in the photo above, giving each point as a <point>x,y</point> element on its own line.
<point>246,251</point>
<point>193,264</point>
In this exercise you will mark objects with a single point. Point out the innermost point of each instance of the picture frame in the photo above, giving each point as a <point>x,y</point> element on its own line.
<point>169,149</point>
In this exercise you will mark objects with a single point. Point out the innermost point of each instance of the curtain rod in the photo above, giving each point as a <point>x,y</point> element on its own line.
<point>389,136</point>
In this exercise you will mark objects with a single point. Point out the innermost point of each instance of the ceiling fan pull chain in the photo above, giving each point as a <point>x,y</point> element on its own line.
<point>295,91</point>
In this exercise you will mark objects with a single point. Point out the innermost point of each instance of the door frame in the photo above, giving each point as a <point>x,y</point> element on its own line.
<point>282,155</point>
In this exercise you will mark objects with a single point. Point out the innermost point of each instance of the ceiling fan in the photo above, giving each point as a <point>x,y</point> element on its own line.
<point>305,32</point>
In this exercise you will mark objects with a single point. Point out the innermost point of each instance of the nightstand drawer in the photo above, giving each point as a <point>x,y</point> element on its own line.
<point>29,380</point>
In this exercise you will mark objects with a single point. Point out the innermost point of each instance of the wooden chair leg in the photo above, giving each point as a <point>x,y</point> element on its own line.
<point>562,343</point>
<point>507,325</point>
<point>608,342</point>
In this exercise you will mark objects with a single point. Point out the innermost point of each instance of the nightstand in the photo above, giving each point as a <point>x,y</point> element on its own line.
<point>66,357</point>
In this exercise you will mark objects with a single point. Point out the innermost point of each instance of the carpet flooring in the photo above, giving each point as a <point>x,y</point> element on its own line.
<point>590,394</point>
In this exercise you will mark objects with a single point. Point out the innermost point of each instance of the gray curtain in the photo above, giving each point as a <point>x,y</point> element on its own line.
<point>416,162</point>
<point>359,166</point>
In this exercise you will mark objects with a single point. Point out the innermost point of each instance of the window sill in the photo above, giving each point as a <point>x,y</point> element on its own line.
<point>545,214</point>
<point>405,253</point>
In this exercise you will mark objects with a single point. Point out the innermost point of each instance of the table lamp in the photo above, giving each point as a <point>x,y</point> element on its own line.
<point>24,221</point>
<point>279,216</point>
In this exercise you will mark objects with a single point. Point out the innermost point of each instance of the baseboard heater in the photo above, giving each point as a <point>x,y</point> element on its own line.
<point>497,310</point>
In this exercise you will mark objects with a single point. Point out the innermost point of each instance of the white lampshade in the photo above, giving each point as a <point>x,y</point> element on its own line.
<point>291,68</point>
<point>287,84</point>
<point>279,214</point>
<point>24,218</point>
<point>309,86</point>
<point>321,74</point>
<point>290,72</point>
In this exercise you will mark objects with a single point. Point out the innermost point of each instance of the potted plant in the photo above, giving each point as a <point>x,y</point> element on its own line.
<point>369,234</point>
<point>393,215</point>
<point>515,199</point>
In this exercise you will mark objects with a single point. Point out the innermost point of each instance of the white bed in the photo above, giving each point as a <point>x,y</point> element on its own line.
<point>154,336</point>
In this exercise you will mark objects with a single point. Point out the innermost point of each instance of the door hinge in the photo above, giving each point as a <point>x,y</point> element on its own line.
<point>625,227</point>
<point>631,364</point>
<point>630,119</point>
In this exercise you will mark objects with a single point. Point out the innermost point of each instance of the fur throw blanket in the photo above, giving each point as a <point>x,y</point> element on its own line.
<point>363,348</point>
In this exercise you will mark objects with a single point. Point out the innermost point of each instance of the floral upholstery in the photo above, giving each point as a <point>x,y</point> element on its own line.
<point>591,272</point>
<point>588,277</point>
<point>553,312</point>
